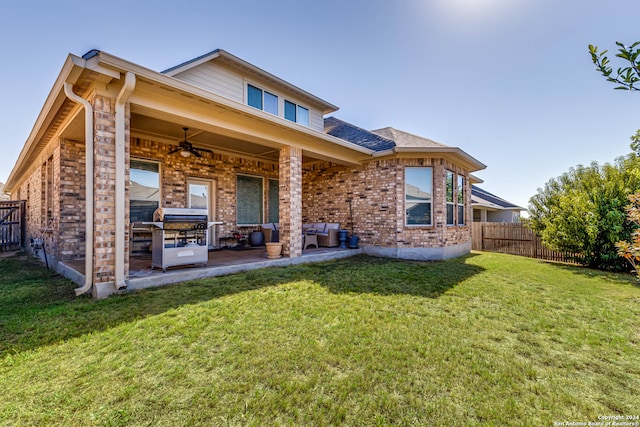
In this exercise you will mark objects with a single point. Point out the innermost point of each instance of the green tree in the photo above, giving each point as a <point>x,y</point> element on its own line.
<point>583,211</point>
<point>627,78</point>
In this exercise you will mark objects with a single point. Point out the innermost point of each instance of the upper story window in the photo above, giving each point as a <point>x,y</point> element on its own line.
<point>296,113</point>
<point>262,100</point>
<point>418,190</point>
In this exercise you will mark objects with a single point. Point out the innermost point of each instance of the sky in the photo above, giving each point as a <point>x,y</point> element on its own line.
<point>510,82</point>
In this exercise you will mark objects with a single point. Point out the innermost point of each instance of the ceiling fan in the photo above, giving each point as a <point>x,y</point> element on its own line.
<point>186,149</point>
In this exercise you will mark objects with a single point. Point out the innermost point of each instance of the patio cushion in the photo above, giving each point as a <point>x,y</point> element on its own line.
<point>320,226</point>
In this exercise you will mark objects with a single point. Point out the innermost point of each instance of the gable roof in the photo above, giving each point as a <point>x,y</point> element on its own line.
<point>248,68</point>
<point>357,135</point>
<point>480,197</point>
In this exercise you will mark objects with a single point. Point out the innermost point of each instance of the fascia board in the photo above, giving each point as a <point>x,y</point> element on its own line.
<point>471,162</point>
<point>475,180</point>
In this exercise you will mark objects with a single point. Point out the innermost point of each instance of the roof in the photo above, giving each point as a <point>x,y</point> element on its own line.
<point>480,197</point>
<point>406,139</point>
<point>246,67</point>
<point>354,134</point>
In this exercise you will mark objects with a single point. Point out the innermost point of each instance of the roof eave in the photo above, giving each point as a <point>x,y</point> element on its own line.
<point>470,162</point>
<point>70,72</point>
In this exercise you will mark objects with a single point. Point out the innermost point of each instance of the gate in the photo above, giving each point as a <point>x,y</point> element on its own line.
<point>12,225</point>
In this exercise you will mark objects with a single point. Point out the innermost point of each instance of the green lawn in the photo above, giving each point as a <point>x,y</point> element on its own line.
<point>486,339</point>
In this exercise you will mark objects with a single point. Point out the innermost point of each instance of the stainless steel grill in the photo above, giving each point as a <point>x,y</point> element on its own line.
<point>179,237</point>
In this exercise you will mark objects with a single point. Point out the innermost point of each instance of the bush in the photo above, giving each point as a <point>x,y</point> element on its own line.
<point>583,211</point>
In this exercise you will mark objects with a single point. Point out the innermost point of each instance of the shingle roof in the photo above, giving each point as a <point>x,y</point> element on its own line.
<point>406,139</point>
<point>483,197</point>
<point>356,135</point>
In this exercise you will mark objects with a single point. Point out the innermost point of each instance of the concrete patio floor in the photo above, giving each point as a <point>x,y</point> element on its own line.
<point>221,262</point>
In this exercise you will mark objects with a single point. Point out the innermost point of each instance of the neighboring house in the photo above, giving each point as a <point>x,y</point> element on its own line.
<point>3,195</point>
<point>108,148</point>
<point>488,207</point>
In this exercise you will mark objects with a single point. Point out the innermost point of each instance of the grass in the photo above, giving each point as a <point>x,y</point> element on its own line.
<point>487,339</point>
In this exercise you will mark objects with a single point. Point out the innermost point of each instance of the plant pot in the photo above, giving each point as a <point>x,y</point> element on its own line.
<point>274,250</point>
<point>256,238</point>
<point>353,242</point>
<point>342,238</point>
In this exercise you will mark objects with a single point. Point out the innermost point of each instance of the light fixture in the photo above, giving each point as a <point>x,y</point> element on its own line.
<point>186,149</point>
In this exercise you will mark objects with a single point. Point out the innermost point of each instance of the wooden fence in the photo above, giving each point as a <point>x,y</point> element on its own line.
<point>515,239</point>
<point>12,225</point>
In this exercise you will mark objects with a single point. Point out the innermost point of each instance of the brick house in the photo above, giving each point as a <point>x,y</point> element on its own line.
<point>106,151</point>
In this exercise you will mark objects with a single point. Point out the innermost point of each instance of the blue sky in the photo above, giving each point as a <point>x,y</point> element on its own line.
<point>508,81</point>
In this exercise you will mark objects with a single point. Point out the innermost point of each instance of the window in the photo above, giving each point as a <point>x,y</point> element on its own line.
<point>296,113</point>
<point>249,200</point>
<point>262,100</point>
<point>461,218</point>
<point>450,200</point>
<point>144,191</point>
<point>274,200</point>
<point>455,199</point>
<point>418,188</point>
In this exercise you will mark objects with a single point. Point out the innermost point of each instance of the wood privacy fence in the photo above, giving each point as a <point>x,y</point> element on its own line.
<point>515,239</point>
<point>12,225</point>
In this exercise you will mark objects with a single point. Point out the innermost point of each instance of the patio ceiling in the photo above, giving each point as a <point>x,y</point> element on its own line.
<point>143,126</point>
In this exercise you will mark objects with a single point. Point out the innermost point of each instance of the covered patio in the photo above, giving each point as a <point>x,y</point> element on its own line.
<point>220,262</point>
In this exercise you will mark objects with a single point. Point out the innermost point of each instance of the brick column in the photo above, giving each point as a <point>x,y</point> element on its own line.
<point>290,188</point>
<point>104,190</point>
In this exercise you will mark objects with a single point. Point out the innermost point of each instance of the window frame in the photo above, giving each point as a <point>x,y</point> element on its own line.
<point>297,108</point>
<point>460,198</point>
<point>450,197</point>
<point>263,103</point>
<point>429,203</point>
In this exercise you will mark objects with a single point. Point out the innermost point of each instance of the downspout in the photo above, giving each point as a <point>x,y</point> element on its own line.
<point>121,101</point>
<point>88,137</point>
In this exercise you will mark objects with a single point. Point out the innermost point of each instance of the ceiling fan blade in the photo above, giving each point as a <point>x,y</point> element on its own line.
<point>175,150</point>
<point>194,152</point>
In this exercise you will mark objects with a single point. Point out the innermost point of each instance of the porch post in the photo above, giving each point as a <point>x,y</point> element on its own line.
<point>290,188</point>
<point>105,276</point>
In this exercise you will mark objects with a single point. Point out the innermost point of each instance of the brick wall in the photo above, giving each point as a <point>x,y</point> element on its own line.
<point>222,169</point>
<point>72,204</point>
<point>373,196</point>
<point>368,199</point>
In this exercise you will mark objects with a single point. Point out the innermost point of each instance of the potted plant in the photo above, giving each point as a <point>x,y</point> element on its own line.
<point>274,250</point>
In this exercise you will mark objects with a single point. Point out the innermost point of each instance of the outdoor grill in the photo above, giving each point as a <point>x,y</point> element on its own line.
<point>179,237</point>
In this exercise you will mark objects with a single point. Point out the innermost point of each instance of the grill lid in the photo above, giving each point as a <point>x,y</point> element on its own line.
<point>184,215</point>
